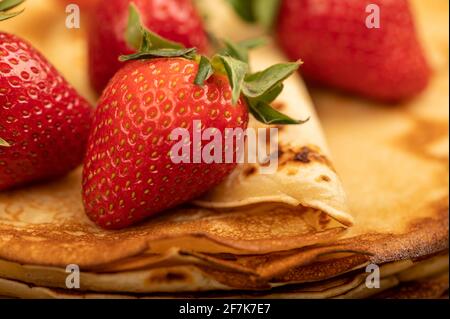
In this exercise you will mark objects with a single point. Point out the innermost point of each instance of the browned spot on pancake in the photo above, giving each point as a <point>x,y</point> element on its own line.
<point>280,151</point>
<point>324,219</point>
<point>225,256</point>
<point>304,155</point>
<point>292,172</point>
<point>173,276</point>
<point>422,135</point>
<point>323,178</point>
<point>167,277</point>
<point>278,106</point>
<point>249,171</point>
<point>308,155</point>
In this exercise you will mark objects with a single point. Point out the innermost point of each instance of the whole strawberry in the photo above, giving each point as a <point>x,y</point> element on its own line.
<point>342,47</point>
<point>130,172</point>
<point>44,123</point>
<point>176,20</point>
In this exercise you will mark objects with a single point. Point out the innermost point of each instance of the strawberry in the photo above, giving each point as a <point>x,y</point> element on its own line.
<point>176,20</point>
<point>44,123</point>
<point>129,172</point>
<point>340,51</point>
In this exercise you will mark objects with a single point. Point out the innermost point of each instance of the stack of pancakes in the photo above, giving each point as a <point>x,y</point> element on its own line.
<point>363,214</point>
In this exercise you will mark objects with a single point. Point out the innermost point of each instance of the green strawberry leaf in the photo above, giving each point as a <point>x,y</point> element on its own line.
<point>205,70</point>
<point>6,5</point>
<point>259,83</point>
<point>272,94</point>
<point>160,53</point>
<point>4,143</point>
<point>262,88</point>
<point>236,71</point>
<point>266,114</point>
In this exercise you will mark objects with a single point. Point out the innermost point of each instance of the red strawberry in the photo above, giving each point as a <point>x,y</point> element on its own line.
<point>176,20</point>
<point>129,173</point>
<point>44,121</point>
<point>340,51</point>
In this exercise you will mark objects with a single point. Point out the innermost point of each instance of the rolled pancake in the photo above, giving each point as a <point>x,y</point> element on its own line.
<point>306,176</point>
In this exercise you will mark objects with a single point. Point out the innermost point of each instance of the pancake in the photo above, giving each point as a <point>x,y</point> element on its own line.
<point>392,160</point>
<point>352,285</point>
